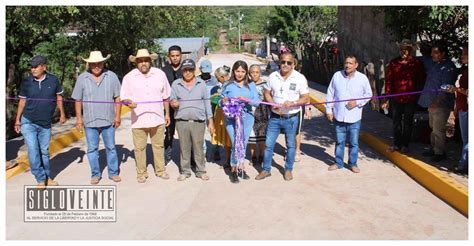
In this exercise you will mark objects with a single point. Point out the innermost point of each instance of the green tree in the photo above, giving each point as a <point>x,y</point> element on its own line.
<point>303,28</point>
<point>429,23</point>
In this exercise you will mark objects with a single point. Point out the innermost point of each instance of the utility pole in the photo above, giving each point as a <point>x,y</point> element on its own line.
<point>269,53</point>
<point>239,31</point>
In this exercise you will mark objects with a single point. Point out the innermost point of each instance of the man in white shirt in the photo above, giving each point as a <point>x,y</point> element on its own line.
<point>289,88</point>
<point>347,84</point>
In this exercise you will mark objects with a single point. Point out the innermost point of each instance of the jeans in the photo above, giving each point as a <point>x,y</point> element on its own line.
<point>402,122</point>
<point>289,126</point>
<point>249,120</point>
<point>93,138</point>
<point>342,128</point>
<point>463,125</point>
<point>37,140</point>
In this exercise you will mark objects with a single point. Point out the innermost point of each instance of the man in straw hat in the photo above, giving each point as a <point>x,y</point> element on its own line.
<point>34,114</point>
<point>404,74</point>
<point>147,83</point>
<point>101,116</point>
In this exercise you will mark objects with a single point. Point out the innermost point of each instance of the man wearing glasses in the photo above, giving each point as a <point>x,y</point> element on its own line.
<point>288,88</point>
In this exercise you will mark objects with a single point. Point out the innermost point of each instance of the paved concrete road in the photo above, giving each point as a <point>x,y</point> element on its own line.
<point>381,202</point>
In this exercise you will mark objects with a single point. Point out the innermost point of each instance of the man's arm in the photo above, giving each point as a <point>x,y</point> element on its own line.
<point>118,112</point>
<point>19,112</point>
<point>330,98</point>
<point>166,105</point>
<point>62,116</point>
<point>79,121</point>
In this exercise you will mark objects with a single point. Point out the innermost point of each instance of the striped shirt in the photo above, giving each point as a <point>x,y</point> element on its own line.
<point>106,90</point>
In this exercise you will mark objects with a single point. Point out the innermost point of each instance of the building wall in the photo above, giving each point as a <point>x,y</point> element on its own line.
<point>364,35</point>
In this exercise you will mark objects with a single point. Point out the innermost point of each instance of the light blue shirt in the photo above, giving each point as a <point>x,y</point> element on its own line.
<point>342,87</point>
<point>211,83</point>
<point>232,89</point>
<point>87,89</point>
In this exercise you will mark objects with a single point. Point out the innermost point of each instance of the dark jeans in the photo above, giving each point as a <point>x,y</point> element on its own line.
<point>402,114</point>
<point>169,135</point>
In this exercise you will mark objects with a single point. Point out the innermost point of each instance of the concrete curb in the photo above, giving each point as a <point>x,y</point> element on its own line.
<point>443,186</point>
<point>57,144</point>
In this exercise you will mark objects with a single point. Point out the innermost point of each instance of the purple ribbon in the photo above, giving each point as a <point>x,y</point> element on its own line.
<point>360,98</point>
<point>234,109</point>
<point>266,103</point>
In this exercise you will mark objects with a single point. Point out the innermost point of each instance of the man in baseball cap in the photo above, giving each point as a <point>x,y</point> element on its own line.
<point>38,60</point>
<point>190,99</point>
<point>34,117</point>
<point>188,64</point>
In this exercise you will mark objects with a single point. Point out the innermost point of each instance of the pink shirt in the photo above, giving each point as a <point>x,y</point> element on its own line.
<point>140,88</point>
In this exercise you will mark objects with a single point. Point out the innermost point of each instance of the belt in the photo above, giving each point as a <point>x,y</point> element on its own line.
<point>199,121</point>
<point>286,116</point>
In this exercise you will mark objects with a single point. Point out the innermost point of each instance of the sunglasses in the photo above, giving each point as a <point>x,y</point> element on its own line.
<point>187,70</point>
<point>286,62</point>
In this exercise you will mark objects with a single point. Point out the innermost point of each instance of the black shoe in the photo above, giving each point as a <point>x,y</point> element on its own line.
<point>437,158</point>
<point>254,161</point>
<point>429,152</point>
<point>234,178</point>
<point>244,175</point>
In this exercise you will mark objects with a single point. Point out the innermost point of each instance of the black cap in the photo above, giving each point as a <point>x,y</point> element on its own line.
<point>188,63</point>
<point>37,60</point>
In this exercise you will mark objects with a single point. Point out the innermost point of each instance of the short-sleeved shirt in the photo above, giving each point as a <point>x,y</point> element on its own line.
<point>106,90</point>
<point>287,90</point>
<point>194,103</point>
<point>153,87</point>
<point>40,111</point>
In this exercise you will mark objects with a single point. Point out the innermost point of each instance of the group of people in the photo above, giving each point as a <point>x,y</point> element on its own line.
<point>428,73</point>
<point>173,98</point>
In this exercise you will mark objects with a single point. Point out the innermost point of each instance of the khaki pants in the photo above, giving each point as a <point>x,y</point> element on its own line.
<point>438,118</point>
<point>191,135</point>
<point>140,137</point>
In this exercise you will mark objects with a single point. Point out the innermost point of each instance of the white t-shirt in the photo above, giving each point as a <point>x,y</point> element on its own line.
<point>287,90</point>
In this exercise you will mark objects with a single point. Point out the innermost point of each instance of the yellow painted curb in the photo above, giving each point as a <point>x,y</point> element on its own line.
<point>443,186</point>
<point>57,144</point>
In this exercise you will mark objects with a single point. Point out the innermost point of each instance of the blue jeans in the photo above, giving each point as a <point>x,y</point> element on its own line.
<point>463,125</point>
<point>37,140</point>
<point>289,126</point>
<point>342,128</point>
<point>230,126</point>
<point>108,135</point>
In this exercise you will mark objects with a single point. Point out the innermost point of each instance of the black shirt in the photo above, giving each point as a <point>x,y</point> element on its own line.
<point>171,74</point>
<point>40,111</point>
